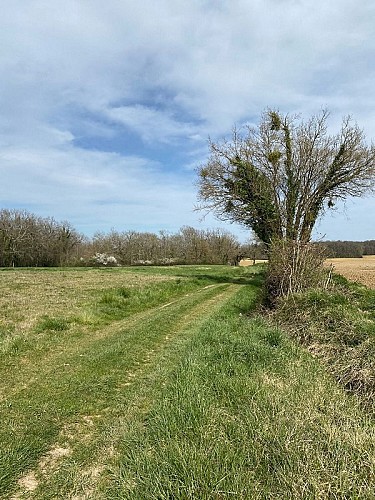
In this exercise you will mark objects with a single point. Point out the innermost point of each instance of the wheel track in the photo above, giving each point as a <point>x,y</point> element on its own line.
<point>30,373</point>
<point>145,362</point>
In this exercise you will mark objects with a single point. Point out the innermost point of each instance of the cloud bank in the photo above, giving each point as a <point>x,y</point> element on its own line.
<point>105,108</point>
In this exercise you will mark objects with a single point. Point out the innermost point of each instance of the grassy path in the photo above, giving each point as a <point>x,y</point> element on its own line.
<point>63,352</point>
<point>246,414</point>
<point>189,399</point>
<point>57,399</point>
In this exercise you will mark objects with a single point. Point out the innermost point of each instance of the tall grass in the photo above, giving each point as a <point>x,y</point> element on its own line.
<point>337,326</point>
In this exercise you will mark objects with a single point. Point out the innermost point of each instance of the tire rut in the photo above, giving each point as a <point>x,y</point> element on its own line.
<point>29,373</point>
<point>71,435</point>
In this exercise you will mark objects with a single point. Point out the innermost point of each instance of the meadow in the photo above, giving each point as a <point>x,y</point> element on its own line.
<point>167,383</point>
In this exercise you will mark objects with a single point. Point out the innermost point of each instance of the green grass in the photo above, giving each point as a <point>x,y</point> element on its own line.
<point>59,375</point>
<point>36,302</point>
<point>118,303</point>
<point>79,381</point>
<point>338,326</point>
<point>187,395</point>
<point>245,414</point>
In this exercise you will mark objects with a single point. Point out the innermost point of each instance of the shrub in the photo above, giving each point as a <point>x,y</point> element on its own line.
<point>103,259</point>
<point>292,268</point>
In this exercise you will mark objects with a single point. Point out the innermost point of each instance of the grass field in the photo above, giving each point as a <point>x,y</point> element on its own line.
<point>360,270</point>
<point>159,383</point>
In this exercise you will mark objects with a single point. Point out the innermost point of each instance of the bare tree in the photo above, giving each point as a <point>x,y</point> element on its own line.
<point>29,240</point>
<point>278,178</point>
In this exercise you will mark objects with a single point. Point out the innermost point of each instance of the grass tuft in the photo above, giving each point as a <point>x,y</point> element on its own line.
<point>53,324</point>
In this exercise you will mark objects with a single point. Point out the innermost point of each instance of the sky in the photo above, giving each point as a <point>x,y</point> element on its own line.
<point>106,107</point>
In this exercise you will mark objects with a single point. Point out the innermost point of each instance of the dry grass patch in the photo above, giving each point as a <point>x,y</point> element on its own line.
<point>51,299</point>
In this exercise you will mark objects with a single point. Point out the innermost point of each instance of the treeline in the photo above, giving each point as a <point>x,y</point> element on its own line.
<point>350,248</point>
<point>27,240</point>
<point>188,246</point>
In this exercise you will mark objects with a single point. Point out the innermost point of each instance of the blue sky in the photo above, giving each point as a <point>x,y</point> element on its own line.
<point>106,107</point>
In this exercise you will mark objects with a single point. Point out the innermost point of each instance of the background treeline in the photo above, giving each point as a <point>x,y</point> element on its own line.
<point>27,240</point>
<point>188,246</point>
<point>349,248</point>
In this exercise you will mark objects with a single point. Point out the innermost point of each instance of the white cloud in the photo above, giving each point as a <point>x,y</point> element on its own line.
<point>171,73</point>
<point>95,190</point>
<point>150,124</point>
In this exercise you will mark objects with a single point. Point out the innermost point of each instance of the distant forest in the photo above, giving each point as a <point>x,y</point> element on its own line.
<point>27,240</point>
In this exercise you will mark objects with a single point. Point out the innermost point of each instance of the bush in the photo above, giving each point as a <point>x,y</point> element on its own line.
<point>103,259</point>
<point>292,268</point>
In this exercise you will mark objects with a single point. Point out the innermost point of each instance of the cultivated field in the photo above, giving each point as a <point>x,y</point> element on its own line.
<point>360,270</point>
<point>250,262</point>
<point>160,383</point>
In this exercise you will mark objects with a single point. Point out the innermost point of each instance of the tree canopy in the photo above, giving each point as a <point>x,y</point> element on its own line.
<point>280,177</point>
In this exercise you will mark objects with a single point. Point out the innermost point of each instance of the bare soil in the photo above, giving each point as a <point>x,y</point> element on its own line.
<point>360,270</point>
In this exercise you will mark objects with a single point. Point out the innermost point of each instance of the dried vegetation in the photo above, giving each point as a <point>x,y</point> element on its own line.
<point>337,325</point>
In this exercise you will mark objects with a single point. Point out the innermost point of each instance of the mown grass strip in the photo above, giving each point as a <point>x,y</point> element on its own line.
<point>85,382</point>
<point>55,336</point>
<point>58,352</point>
<point>101,306</point>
